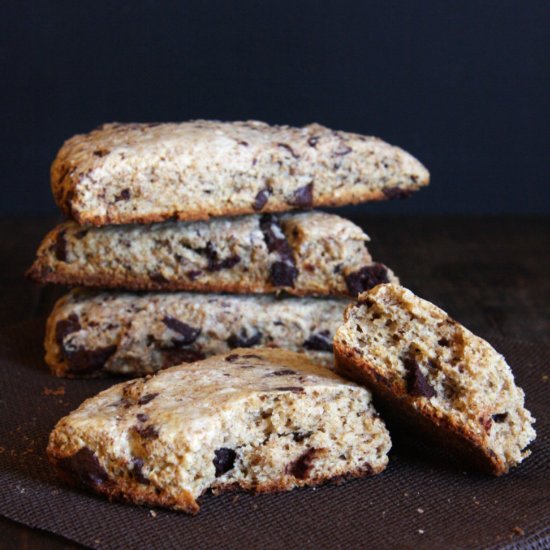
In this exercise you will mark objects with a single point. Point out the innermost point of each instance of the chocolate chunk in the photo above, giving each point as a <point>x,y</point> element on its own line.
<point>500,417</point>
<point>396,193</point>
<point>293,389</point>
<point>189,334</point>
<point>214,263</point>
<point>173,357</point>
<point>150,432</point>
<point>301,467</point>
<point>342,150</point>
<point>61,246</point>
<point>158,278</point>
<point>312,141</point>
<point>443,342</point>
<point>242,340</point>
<point>224,460</point>
<point>417,385</point>
<point>142,417</point>
<point>137,471</point>
<point>274,237</point>
<point>261,199</point>
<point>289,149</point>
<point>300,436</point>
<point>319,342</point>
<point>66,326</point>
<point>366,278</point>
<point>85,361</point>
<point>81,234</point>
<point>243,143</point>
<point>101,152</point>
<point>232,357</point>
<point>282,372</point>
<point>123,196</point>
<point>303,197</point>
<point>193,274</point>
<point>144,399</point>
<point>84,468</point>
<point>282,274</point>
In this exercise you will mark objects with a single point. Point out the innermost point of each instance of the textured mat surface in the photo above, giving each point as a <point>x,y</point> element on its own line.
<point>421,501</point>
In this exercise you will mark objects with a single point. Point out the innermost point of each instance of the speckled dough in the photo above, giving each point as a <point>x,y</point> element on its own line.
<point>134,173</point>
<point>304,253</point>
<point>433,373</point>
<point>259,420</point>
<point>92,333</point>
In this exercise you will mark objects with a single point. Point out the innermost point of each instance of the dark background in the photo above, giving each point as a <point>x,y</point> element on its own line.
<point>464,86</point>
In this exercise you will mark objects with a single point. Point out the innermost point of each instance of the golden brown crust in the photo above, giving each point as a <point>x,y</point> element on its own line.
<point>41,274</point>
<point>122,489</point>
<point>394,401</point>
<point>127,490</point>
<point>197,214</point>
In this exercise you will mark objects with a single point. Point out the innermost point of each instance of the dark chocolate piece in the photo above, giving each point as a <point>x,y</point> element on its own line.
<point>84,468</point>
<point>417,384</point>
<point>224,460</point>
<point>243,340</point>
<point>321,341</point>
<point>301,467</point>
<point>366,278</point>
<point>188,333</point>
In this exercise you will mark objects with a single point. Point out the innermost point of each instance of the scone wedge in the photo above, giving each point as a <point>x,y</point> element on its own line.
<point>259,420</point>
<point>429,372</point>
<point>312,253</point>
<point>93,333</point>
<point>141,173</point>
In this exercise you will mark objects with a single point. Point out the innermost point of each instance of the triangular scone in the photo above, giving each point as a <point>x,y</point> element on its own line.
<point>301,253</point>
<point>428,370</point>
<point>136,173</point>
<point>261,420</point>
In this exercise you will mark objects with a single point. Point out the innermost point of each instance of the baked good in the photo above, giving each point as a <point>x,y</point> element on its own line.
<point>302,253</point>
<point>429,371</point>
<point>136,173</point>
<point>93,333</point>
<point>260,420</point>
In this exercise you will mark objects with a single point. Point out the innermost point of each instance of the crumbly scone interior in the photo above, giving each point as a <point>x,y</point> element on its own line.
<point>396,332</point>
<point>263,439</point>
<point>135,334</point>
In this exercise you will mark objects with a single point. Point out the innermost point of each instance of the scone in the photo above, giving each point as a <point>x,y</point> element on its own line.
<point>93,333</point>
<point>259,420</point>
<point>136,173</point>
<point>429,371</point>
<point>305,253</point>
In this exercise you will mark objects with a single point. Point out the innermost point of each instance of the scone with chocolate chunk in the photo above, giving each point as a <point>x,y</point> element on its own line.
<point>136,173</point>
<point>303,254</point>
<point>259,420</point>
<point>430,371</point>
<point>93,333</point>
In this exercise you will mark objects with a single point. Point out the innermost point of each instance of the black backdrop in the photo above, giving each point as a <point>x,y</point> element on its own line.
<point>462,85</point>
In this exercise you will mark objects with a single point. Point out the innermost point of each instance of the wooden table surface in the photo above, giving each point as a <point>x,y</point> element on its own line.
<point>491,273</point>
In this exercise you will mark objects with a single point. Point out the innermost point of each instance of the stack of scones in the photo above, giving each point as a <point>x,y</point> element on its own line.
<point>188,240</point>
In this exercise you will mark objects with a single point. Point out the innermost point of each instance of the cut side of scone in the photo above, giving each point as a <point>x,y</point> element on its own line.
<point>260,420</point>
<point>309,253</point>
<point>430,372</point>
<point>92,333</point>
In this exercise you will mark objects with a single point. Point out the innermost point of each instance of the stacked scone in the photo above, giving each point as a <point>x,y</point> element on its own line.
<point>177,209</point>
<point>198,215</point>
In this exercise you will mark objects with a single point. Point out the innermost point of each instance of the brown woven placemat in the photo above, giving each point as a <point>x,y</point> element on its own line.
<point>422,500</point>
